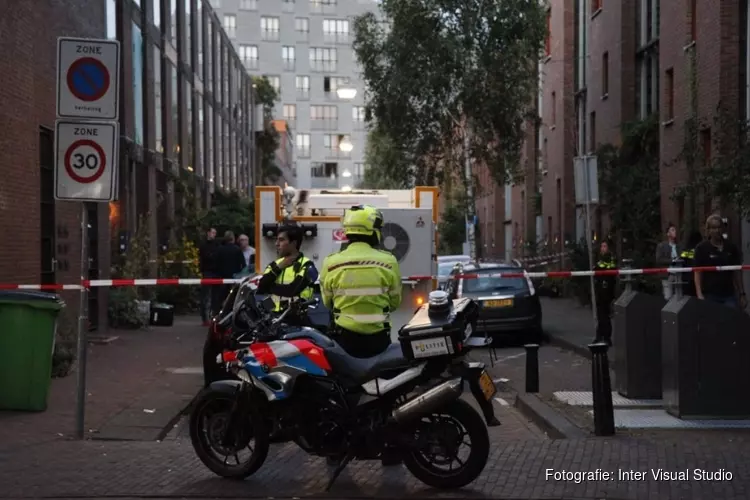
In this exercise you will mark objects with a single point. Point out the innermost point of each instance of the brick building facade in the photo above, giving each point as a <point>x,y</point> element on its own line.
<point>186,107</point>
<point>42,237</point>
<point>616,61</point>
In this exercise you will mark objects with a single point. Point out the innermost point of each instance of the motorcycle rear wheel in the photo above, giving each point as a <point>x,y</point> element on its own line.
<point>212,410</point>
<point>457,414</point>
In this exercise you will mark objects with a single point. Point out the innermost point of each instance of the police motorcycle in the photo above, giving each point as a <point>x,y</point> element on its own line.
<point>296,384</point>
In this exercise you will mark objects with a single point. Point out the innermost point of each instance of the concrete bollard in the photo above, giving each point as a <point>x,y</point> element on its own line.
<point>604,417</point>
<point>532,368</point>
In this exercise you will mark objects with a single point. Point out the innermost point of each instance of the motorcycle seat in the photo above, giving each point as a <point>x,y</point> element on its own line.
<point>362,370</point>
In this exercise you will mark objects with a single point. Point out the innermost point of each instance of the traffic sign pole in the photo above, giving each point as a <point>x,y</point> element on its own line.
<point>87,136</point>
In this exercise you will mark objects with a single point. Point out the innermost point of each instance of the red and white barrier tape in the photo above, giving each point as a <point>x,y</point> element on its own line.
<point>219,281</point>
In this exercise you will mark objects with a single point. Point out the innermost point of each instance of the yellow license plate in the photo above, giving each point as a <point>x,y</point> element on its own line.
<point>499,303</point>
<point>487,385</point>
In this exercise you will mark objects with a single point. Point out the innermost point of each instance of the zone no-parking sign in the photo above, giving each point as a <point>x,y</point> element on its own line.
<point>88,78</point>
<point>86,160</point>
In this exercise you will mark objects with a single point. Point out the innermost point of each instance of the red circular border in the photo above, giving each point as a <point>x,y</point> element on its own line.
<point>69,168</point>
<point>75,66</point>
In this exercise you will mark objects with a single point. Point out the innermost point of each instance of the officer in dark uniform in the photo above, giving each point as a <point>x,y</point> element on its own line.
<point>688,258</point>
<point>604,288</point>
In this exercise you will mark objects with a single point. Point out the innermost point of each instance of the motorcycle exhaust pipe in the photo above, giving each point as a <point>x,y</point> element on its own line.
<point>429,401</point>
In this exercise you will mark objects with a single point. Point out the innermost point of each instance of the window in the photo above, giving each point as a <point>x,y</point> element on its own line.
<point>332,83</point>
<point>548,39</point>
<point>172,28</point>
<point>359,170</point>
<point>669,93</point>
<point>358,113</point>
<point>605,74</point>
<point>289,57</point>
<point>302,27</point>
<point>275,82</point>
<point>269,28</point>
<point>156,11</point>
<point>303,145</point>
<point>302,84</point>
<point>592,131</point>
<point>158,131</point>
<point>324,116</point>
<point>322,5</point>
<point>596,6</point>
<point>249,56</point>
<point>290,112</point>
<point>332,143</point>
<point>248,4</point>
<point>323,59</point>
<point>230,25</point>
<point>693,20</point>
<point>554,108</point>
<point>336,30</point>
<point>324,170</point>
<point>137,47</point>
<point>175,113</point>
<point>288,5</point>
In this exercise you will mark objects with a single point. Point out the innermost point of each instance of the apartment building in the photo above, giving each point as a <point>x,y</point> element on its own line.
<point>304,47</point>
<point>611,62</point>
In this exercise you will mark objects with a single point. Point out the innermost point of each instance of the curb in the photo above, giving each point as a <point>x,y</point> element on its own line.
<point>547,418</point>
<point>563,343</point>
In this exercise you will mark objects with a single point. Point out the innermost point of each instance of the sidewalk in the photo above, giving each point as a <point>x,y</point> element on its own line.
<point>568,324</point>
<point>516,469</point>
<point>125,377</point>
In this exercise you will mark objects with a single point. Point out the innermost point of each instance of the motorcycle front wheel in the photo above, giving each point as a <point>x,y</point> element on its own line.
<point>209,422</point>
<point>440,438</point>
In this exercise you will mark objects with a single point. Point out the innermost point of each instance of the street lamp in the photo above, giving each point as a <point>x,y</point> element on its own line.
<point>346,145</point>
<point>346,92</point>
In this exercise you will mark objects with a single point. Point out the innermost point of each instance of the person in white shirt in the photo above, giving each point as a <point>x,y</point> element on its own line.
<point>247,251</point>
<point>667,252</point>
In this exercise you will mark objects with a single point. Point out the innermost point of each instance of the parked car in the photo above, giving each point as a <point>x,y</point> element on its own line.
<point>509,307</point>
<point>220,330</point>
<point>465,259</point>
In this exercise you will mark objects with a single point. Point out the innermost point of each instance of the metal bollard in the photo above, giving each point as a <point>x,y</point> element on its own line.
<point>532,368</point>
<point>628,278</point>
<point>677,283</point>
<point>604,416</point>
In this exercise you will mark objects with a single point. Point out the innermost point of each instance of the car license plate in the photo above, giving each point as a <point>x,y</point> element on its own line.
<point>430,348</point>
<point>499,303</point>
<point>487,385</point>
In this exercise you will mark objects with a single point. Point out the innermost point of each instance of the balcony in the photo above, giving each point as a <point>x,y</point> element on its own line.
<point>331,124</point>
<point>337,38</point>
<point>337,154</point>
<point>289,64</point>
<point>303,152</point>
<point>324,183</point>
<point>322,7</point>
<point>251,63</point>
<point>323,66</point>
<point>270,36</point>
<point>303,94</point>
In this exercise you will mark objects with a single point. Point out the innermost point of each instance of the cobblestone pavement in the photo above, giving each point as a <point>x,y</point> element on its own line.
<point>118,375</point>
<point>516,469</point>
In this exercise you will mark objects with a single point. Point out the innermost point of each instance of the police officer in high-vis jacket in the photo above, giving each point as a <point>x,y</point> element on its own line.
<point>604,287</point>
<point>361,285</point>
<point>292,274</point>
<point>688,258</point>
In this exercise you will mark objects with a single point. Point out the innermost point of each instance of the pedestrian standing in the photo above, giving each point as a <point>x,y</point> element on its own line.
<point>688,259</point>
<point>229,261</point>
<point>667,252</point>
<point>604,288</point>
<point>207,264</point>
<point>721,287</point>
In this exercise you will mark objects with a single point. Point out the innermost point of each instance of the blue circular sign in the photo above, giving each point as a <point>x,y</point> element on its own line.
<point>88,79</point>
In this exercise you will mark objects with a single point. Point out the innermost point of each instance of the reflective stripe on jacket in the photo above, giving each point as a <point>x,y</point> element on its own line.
<point>361,285</point>
<point>287,275</point>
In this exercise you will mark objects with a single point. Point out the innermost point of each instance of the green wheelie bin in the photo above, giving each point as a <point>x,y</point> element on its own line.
<point>28,323</point>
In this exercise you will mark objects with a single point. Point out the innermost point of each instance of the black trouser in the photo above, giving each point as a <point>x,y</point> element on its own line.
<point>362,345</point>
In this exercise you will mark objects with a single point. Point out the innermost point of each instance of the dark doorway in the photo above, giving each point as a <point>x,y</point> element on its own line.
<point>48,264</point>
